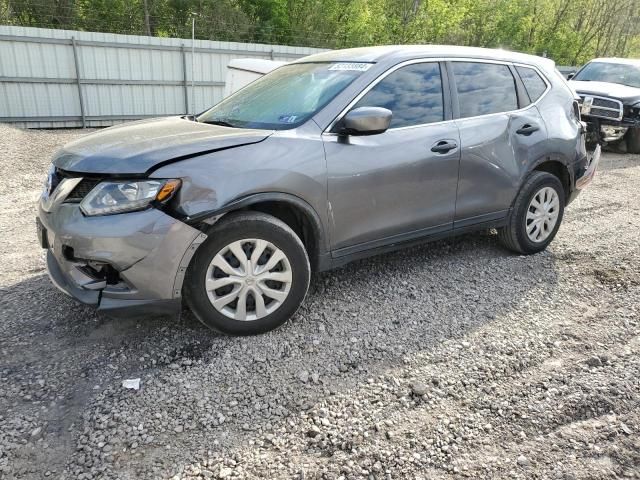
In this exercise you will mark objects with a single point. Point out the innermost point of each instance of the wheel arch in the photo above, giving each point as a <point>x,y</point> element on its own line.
<point>297,213</point>
<point>556,166</point>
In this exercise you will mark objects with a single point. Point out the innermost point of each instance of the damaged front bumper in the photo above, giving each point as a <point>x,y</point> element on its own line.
<point>125,264</point>
<point>605,131</point>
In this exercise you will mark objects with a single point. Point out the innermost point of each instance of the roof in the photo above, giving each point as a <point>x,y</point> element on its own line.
<point>405,52</point>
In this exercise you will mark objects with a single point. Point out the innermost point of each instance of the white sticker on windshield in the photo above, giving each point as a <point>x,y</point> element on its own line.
<point>357,67</point>
<point>287,118</point>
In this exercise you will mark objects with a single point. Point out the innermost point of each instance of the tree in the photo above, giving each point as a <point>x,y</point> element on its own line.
<point>569,31</point>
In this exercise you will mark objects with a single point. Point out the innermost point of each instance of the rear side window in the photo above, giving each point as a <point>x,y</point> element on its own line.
<point>532,82</point>
<point>484,88</point>
<point>412,93</point>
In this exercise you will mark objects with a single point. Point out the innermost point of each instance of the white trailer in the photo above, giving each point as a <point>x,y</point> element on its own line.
<point>243,71</point>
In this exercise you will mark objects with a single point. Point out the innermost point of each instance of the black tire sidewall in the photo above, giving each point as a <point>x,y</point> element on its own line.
<point>541,181</point>
<point>633,140</point>
<point>260,226</point>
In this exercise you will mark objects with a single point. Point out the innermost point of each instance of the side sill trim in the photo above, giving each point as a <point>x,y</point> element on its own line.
<point>335,262</point>
<point>494,218</point>
<point>487,217</point>
<point>393,240</point>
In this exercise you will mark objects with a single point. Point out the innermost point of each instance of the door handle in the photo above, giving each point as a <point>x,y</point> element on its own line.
<point>527,129</point>
<point>444,146</point>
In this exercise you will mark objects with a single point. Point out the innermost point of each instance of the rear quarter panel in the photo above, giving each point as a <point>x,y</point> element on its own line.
<point>564,132</point>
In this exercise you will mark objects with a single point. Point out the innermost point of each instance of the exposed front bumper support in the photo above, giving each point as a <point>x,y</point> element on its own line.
<point>148,251</point>
<point>110,306</point>
<point>64,283</point>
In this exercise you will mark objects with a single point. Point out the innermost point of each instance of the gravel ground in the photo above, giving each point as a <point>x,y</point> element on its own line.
<point>450,360</point>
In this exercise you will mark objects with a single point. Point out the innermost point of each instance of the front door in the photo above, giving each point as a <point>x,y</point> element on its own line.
<point>400,184</point>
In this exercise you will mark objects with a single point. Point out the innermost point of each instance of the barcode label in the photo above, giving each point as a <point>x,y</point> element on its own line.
<point>357,67</point>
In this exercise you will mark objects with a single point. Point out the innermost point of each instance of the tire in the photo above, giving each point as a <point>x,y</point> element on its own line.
<point>633,140</point>
<point>514,235</point>
<point>256,285</point>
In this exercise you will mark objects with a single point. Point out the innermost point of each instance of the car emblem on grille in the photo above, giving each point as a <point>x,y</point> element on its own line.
<point>587,103</point>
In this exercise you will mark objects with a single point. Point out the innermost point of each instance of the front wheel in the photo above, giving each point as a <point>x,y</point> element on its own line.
<point>536,214</point>
<point>250,276</point>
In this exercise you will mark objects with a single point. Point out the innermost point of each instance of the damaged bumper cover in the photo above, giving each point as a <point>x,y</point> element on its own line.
<point>590,170</point>
<point>608,124</point>
<point>126,264</point>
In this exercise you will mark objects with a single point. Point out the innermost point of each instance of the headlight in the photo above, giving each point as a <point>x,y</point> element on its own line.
<point>118,197</point>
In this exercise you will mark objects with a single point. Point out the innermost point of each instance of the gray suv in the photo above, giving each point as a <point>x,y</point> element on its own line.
<point>334,157</point>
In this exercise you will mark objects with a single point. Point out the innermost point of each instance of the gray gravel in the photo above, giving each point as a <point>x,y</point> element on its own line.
<point>450,360</point>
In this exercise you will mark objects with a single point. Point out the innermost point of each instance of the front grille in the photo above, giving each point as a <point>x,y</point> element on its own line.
<point>603,107</point>
<point>82,189</point>
<point>598,112</point>
<point>605,102</point>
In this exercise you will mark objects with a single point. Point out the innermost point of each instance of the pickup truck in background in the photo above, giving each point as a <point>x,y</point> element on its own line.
<point>609,90</point>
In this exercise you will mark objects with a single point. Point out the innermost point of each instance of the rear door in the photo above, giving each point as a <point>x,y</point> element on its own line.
<point>400,184</point>
<point>500,130</point>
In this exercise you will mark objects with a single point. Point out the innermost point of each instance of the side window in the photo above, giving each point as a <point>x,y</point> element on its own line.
<point>532,82</point>
<point>412,93</point>
<point>484,88</point>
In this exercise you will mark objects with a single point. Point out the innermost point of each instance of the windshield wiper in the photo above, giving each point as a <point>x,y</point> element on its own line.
<point>222,123</point>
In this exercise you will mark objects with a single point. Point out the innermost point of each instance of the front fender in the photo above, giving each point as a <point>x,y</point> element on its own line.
<point>289,166</point>
<point>256,198</point>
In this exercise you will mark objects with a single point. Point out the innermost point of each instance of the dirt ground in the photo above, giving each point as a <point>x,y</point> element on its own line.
<point>450,360</point>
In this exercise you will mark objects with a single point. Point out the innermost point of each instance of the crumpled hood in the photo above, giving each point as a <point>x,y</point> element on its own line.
<point>628,95</point>
<point>137,147</point>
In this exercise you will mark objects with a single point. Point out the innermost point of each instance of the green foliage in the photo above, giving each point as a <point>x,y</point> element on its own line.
<point>569,31</point>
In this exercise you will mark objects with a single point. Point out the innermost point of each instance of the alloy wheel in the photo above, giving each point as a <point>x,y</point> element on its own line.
<point>542,214</point>
<point>248,279</point>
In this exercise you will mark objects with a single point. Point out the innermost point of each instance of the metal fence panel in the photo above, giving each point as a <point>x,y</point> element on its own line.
<point>112,78</point>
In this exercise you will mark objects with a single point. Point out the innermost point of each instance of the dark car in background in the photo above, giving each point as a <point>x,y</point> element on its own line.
<point>334,157</point>
<point>609,90</point>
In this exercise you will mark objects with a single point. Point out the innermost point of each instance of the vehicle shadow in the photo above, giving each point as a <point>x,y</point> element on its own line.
<point>62,362</point>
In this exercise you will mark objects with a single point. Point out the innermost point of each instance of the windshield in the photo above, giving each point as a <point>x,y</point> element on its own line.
<point>286,97</point>
<point>621,73</point>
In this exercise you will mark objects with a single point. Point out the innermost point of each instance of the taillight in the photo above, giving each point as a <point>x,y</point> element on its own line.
<point>576,110</point>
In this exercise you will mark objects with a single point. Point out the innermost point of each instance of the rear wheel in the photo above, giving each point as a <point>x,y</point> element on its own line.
<point>633,140</point>
<point>536,214</point>
<point>249,276</point>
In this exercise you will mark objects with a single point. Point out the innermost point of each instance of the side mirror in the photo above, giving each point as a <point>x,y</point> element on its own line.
<point>570,76</point>
<point>365,121</point>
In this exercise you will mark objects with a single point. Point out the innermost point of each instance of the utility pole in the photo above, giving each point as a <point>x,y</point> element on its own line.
<point>193,61</point>
<point>147,21</point>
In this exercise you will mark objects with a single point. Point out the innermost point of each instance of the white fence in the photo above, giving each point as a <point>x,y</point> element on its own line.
<point>63,78</point>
